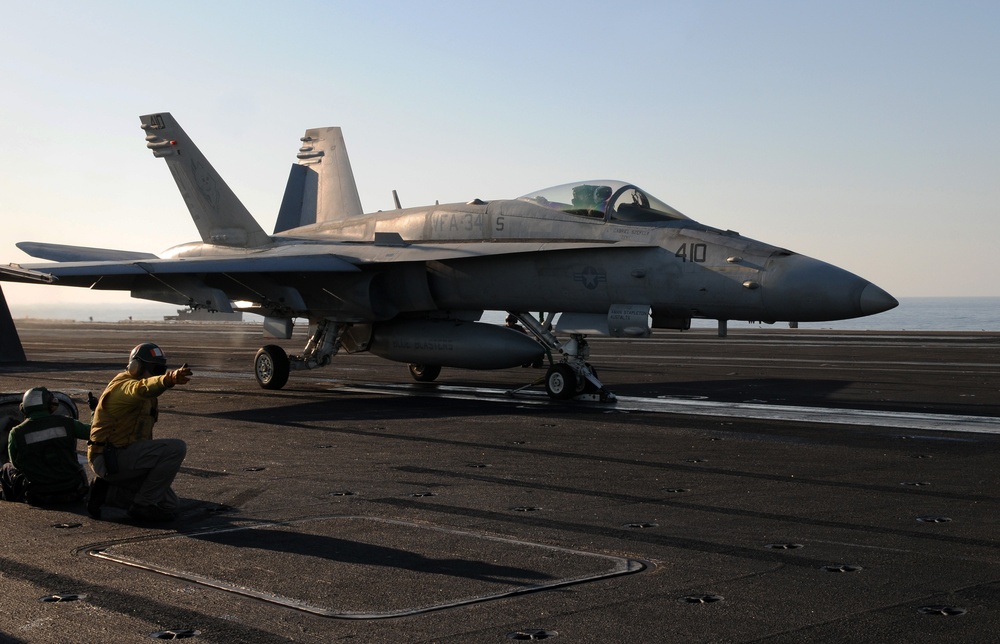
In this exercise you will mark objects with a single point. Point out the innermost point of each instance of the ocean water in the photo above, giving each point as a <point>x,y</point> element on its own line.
<point>912,314</point>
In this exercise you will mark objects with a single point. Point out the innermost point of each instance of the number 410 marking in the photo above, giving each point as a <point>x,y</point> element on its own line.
<point>698,253</point>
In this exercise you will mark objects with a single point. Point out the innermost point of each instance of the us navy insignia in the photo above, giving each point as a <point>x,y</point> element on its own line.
<point>590,277</point>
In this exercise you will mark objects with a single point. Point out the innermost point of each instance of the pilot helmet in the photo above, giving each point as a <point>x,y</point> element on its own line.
<point>146,356</point>
<point>37,399</point>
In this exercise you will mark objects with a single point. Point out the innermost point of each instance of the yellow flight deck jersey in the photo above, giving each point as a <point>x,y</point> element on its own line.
<point>126,412</point>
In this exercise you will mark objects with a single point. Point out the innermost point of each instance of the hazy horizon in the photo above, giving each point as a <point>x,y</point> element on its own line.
<point>975,313</point>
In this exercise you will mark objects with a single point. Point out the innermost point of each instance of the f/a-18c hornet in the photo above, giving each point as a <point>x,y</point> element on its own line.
<point>410,285</point>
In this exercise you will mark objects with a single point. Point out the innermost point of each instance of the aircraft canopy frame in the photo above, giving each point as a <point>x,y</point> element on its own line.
<point>605,199</point>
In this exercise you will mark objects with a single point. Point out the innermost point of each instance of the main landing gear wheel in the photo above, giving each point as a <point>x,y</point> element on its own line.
<point>561,382</point>
<point>271,367</point>
<point>425,372</point>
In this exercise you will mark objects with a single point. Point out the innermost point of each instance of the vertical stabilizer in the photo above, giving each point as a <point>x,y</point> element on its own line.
<point>217,212</point>
<point>321,186</point>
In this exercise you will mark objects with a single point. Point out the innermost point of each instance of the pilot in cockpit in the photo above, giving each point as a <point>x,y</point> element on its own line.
<point>591,201</point>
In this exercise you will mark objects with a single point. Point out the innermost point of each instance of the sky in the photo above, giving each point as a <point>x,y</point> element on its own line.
<point>863,133</point>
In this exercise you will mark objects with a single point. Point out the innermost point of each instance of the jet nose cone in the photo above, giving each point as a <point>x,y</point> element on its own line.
<point>874,300</point>
<point>802,289</point>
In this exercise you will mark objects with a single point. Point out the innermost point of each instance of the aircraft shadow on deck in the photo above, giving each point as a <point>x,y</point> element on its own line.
<point>348,408</point>
<point>355,552</point>
<point>740,389</point>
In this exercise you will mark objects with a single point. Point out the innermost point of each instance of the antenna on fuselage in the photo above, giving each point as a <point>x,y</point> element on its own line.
<point>395,200</point>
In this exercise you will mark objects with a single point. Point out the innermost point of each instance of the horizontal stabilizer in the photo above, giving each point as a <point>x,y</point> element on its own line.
<point>259,263</point>
<point>63,253</point>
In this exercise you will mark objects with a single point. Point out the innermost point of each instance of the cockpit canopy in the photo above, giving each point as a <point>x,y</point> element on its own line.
<point>607,200</point>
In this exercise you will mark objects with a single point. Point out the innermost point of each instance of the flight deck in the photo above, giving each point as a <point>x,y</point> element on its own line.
<point>775,485</point>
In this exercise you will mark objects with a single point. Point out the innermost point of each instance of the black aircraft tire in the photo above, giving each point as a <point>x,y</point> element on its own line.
<point>271,367</point>
<point>425,372</point>
<point>561,382</point>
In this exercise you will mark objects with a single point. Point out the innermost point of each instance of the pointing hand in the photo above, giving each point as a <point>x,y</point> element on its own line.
<point>179,376</point>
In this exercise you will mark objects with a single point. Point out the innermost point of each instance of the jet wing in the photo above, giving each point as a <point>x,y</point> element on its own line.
<point>14,273</point>
<point>73,273</point>
<point>295,258</point>
<point>430,252</point>
<point>63,253</point>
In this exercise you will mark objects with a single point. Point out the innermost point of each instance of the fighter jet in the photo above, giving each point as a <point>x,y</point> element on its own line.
<point>597,257</point>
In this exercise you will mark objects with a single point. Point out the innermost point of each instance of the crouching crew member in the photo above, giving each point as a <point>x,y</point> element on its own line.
<point>43,467</point>
<point>134,469</point>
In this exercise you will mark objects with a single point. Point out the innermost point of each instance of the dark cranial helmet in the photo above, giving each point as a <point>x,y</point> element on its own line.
<point>147,356</point>
<point>37,399</point>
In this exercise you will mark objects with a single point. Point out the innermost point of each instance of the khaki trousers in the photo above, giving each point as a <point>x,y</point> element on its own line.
<point>146,470</point>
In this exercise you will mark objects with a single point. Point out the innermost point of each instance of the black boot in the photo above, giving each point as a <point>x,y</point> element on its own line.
<point>98,493</point>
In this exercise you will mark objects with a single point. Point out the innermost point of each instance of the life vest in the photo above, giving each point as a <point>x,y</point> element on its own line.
<point>45,453</point>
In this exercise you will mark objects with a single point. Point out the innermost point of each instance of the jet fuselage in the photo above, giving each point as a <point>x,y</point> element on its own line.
<point>679,267</point>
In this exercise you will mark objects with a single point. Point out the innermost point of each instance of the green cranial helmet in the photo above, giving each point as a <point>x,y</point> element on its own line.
<point>37,399</point>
